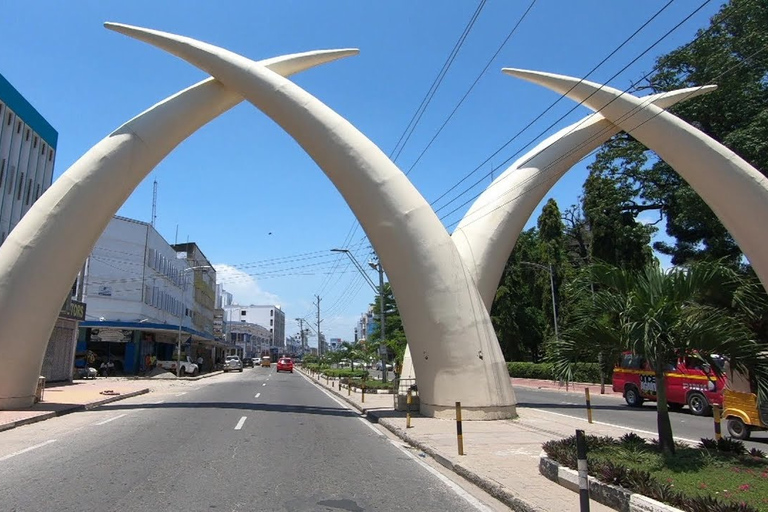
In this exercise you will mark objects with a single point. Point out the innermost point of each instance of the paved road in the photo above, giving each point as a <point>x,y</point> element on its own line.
<point>613,410</point>
<point>251,441</point>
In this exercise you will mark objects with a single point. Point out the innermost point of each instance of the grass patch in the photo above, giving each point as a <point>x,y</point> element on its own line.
<point>719,477</point>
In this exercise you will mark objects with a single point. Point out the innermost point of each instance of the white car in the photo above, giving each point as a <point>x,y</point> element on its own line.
<point>232,363</point>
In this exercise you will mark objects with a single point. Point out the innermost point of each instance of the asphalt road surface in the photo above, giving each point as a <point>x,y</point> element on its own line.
<point>613,410</point>
<point>249,441</point>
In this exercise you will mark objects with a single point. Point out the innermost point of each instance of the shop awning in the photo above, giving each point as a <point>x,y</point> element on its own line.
<point>149,327</point>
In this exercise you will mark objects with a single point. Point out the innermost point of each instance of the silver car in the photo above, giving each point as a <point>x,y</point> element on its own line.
<point>233,363</point>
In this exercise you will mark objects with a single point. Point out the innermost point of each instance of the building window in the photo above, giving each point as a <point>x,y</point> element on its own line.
<point>19,186</point>
<point>10,118</point>
<point>29,190</point>
<point>42,149</point>
<point>37,190</point>
<point>243,312</point>
<point>34,144</point>
<point>271,312</point>
<point>9,183</point>
<point>2,169</point>
<point>18,127</point>
<point>50,155</point>
<point>271,322</point>
<point>26,138</point>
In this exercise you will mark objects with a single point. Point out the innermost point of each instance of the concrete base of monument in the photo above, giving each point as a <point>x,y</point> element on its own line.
<point>497,412</point>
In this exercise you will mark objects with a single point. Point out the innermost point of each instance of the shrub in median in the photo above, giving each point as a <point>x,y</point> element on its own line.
<point>345,373</point>
<point>583,372</point>
<point>718,477</point>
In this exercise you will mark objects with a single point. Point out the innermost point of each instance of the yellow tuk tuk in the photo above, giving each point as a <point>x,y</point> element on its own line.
<point>266,361</point>
<point>742,411</point>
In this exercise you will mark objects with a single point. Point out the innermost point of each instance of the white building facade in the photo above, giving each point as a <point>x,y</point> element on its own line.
<point>27,155</point>
<point>142,296</point>
<point>271,317</point>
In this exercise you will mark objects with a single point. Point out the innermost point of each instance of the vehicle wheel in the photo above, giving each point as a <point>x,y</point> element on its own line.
<point>699,405</point>
<point>737,429</point>
<point>291,371</point>
<point>194,373</point>
<point>241,370</point>
<point>632,397</point>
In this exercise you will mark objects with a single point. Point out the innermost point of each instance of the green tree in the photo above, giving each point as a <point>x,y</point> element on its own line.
<point>730,53</point>
<point>517,313</point>
<point>394,332</point>
<point>662,315</point>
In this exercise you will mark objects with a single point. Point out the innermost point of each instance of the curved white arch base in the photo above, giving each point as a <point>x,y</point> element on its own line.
<point>457,355</point>
<point>43,254</point>
<point>736,191</point>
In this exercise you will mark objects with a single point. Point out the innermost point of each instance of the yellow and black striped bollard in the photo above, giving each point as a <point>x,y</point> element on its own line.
<point>716,413</point>
<point>408,410</point>
<point>459,435</point>
<point>589,406</point>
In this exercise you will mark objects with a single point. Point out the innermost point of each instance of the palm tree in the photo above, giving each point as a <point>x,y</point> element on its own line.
<point>662,315</point>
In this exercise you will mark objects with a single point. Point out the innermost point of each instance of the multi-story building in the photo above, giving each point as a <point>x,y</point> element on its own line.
<point>223,298</point>
<point>139,291</point>
<point>204,285</point>
<point>27,156</point>
<point>254,339</point>
<point>271,317</point>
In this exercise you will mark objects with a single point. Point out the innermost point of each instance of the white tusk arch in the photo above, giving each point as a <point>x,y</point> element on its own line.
<point>736,191</point>
<point>443,314</point>
<point>489,230</point>
<point>42,255</point>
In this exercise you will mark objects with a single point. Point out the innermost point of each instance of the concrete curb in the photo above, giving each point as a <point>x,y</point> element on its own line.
<point>496,490</point>
<point>204,376</point>
<point>69,410</point>
<point>618,498</point>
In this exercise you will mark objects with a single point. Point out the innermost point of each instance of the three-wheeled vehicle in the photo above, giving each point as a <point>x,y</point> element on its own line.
<point>266,361</point>
<point>742,411</point>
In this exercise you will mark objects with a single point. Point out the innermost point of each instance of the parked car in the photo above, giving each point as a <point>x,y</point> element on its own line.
<point>378,366</point>
<point>248,362</point>
<point>232,363</point>
<point>187,366</point>
<point>285,364</point>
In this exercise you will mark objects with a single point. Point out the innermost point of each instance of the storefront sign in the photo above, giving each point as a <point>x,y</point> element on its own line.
<point>112,335</point>
<point>73,309</point>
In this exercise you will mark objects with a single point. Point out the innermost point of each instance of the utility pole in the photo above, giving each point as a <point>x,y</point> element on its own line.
<point>382,346</point>
<point>319,336</point>
<point>301,332</point>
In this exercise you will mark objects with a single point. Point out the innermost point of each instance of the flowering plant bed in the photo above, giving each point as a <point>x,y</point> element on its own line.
<point>714,476</point>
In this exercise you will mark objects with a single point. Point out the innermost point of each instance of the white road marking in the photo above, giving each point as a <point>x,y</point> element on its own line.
<point>370,425</point>
<point>258,395</point>
<point>447,481</point>
<point>240,423</point>
<point>264,384</point>
<point>631,429</point>
<point>182,393</point>
<point>25,450</point>
<point>110,419</point>
<point>156,403</point>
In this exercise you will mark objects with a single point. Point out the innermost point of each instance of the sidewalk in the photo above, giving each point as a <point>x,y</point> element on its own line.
<point>70,397</point>
<point>501,457</point>
<point>573,387</point>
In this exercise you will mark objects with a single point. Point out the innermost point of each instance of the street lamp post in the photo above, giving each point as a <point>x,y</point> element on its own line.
<point>380,291</point>
<point>182,314</point>
<point>551,288</point>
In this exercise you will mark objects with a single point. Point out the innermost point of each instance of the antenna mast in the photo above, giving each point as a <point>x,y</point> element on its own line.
<point>154,203</point>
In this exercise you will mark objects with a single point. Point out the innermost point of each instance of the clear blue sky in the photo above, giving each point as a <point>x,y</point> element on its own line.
<point>241,177</point>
